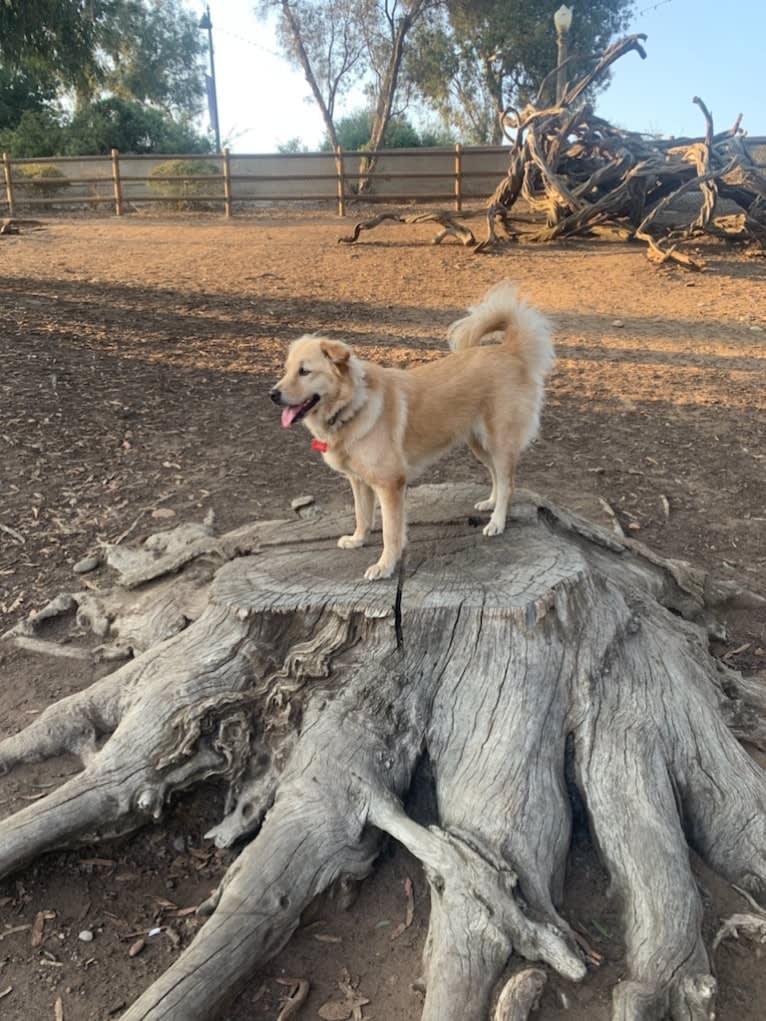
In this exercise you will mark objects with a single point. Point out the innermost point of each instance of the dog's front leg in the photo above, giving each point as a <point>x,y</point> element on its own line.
<point>364,509</point>
<point>391,499</point>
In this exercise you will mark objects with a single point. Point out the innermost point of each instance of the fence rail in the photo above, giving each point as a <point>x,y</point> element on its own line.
<point>447,175</point>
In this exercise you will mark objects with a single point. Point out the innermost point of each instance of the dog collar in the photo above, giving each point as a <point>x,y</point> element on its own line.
<point>319,445</point>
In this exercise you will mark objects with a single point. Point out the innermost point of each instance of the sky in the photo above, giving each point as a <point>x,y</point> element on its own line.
<point>693,49</point>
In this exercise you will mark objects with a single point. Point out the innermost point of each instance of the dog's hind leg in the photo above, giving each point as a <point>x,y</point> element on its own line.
<point>364,509</point>
<point>504,473</point>
<point>481,453</point>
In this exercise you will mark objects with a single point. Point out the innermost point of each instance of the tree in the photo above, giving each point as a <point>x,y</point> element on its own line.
<point>389,25</point>
<point>151,53</point>
<point>25,90</point>
<point>339,43</point>
<point>508,683</point>
<point>354,132</point>
<point>477,57</point>
<point>292,145</point>
<point>97,128</point>
<point>37,133</point>
<point>116,123</point>
<point>130,51</point>
<point>29,114</point>
<point>60,33</point>
<point>325,40</point>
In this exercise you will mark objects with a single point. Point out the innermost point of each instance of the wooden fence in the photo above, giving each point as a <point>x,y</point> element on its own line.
<point>122,182</point>
<point>447,176</point>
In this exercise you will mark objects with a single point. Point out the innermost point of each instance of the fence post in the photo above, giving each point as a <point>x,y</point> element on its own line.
<point>226,183</point>
<point>458,177</point>
<point>341,181</point>
<point>9,185</point>
<point>117,182</point>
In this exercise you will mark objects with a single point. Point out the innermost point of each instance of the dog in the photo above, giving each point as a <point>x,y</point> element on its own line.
<point>381,427</point>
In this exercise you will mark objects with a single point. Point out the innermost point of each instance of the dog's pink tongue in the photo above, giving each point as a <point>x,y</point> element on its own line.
<point>288,415</point>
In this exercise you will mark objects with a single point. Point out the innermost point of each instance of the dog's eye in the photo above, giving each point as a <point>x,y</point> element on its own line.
<point>304,372</point>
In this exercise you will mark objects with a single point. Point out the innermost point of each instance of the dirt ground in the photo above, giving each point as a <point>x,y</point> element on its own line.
<point>135,361</point>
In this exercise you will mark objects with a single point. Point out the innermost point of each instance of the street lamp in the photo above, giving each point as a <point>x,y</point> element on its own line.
<point>562,19</point>
<point>210,86</point>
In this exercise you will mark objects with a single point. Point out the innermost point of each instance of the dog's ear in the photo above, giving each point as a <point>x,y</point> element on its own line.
<point>338,352</point>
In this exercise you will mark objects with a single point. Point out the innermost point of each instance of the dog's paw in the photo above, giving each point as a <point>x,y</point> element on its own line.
<point>350,542</point>
<point>493,528</point>
<point>485,505</point>
<point>379,570</point>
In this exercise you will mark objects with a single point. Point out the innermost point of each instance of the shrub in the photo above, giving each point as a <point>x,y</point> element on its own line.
<point>39,180</point>
<point>185,194</point>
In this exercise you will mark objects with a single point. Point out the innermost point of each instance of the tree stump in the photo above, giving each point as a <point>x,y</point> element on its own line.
<point>553,663</point>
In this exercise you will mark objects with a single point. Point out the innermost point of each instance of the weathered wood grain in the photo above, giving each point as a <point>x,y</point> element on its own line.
<point>556,654</point>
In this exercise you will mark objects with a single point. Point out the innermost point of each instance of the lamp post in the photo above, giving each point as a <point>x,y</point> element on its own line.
<point>562,19</point>
<point>210,86</point>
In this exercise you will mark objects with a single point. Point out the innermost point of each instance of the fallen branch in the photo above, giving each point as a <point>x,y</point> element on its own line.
<point>451,227</point>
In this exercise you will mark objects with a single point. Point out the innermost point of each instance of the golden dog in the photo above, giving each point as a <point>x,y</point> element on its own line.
<point>381,427</point>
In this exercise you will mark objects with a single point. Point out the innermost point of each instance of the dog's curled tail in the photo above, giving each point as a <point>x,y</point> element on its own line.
<point>525,329</point>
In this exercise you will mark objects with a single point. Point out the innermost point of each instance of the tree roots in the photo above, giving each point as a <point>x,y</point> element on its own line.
<point>590,178</point>
<point>555,655</point>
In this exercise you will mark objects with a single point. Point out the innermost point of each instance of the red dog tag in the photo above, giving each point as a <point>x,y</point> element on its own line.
<point>319,445</point>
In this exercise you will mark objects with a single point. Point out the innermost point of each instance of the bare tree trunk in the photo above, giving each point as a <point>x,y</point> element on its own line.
<point>399,28</point>
<point>384,103</point>
<point>554,657</point>
<point>308,71</point>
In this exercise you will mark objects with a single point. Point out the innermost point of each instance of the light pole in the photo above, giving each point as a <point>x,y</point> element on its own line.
<point>210,86</point>
<point>562,19</point>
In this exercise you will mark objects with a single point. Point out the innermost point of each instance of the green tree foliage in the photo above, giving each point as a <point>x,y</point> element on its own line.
<point>152,53</point>
<point>59,33</point>
<point>131,69</point>
<point>293,145</point>
<point>97,128</point>
<point>139,49</point>
<point>355,130</point>
<point>124,124</point>
<point>25,91</point>
<point>37,133</point>
<point>475,58</point>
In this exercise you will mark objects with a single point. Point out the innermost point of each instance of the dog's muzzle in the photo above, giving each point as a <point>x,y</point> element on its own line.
<point>276,395</point>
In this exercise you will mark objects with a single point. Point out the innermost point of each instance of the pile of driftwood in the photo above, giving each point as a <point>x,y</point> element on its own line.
<point>589,177</point>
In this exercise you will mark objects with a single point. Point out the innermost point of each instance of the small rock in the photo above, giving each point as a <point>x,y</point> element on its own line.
<point>300,502</point>
<point>304,507</point>
<point>85,936</point>
<point>179,844</point>
<point>757,329</point>
<point>163,513</point>
<point>618,323</point>
<point>86,564</point>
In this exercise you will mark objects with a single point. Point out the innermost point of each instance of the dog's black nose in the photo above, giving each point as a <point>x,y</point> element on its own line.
<point>276,395</point>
